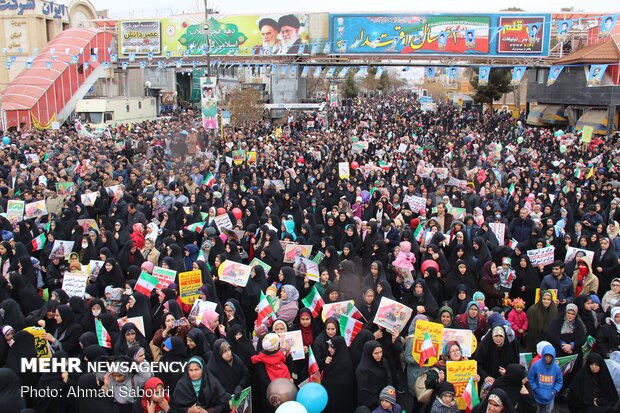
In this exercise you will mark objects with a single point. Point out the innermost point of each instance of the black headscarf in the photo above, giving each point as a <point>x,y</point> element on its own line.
<point>338,377</point>
<point>233,376</point>
<point>10,398</point>
<point>97,404</point>
<point>372,376</point>
<point>586,386</point>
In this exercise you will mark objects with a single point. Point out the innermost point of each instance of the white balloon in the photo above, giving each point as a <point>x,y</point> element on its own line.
<point>556,163</point>
<point>291,407</point>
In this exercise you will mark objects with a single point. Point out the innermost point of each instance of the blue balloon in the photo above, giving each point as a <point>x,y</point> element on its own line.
<point>313,396</point>
<point>6,140</point>
<point>365,196</point>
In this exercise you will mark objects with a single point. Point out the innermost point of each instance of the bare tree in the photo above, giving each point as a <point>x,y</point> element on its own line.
<point>244,107</point>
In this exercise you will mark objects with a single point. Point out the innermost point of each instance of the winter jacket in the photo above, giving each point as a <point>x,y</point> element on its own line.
<point>564,285</point>
<point>521,229</point>
<point>546,379</point>
<point>518,320</point>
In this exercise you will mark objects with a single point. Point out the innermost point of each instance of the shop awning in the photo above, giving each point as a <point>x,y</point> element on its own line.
<point>535,116</point>
<point>554,115</point>
<point>597,118</point>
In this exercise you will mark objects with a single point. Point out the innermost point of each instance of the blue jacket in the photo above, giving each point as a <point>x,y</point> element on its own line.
<point>546,380</point>
<point>565,287</point>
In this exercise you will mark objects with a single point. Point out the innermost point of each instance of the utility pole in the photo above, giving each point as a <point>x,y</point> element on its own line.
<point>206,30</point>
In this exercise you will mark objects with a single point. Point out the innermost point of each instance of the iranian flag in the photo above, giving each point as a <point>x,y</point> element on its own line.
<point>103,337</point>
<point>428,350</point>
<point>313,302</point>
<point>352,311</point>
<point>349,327</point>
<point>513,243</point>
<point>146,283</point>
<point>511,190</point>
<point>384,166</point>
<point>579,173</point>
<point>266,315</point>
<point>209,180</point>
<point>38,242</point>
<point>470,395</point>
<point>197,227</point>
<point>419,233</point>
<point>314,375</point>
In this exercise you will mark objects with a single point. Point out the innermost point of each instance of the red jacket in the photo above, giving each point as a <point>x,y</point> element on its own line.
<point>518,321</point>
<point>275,364</point>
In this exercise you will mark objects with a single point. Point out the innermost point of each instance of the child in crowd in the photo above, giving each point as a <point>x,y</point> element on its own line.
<point>388,401</point>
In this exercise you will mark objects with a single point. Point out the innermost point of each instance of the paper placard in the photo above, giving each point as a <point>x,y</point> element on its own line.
<point>415,202</point>
<point>61,249</point>
<point>15,210</point>
<point>295,340</point>
<point>223,222</point>
<point>306,268</point>
<point>35,209</point>
<point>392,315</point>
<point>93,269</point>
<point>74,284</point>
<point>541,256</point>
<point>65,188</point>
<point>88,225</point>
<point>343,170</point>
<point>435,331</point>
<point>137,321</point>
<point>111,190</point>
<point>458,373</point>
<point>164,276</point>
<point>41,345</point>
<point>199,307</point>
<point>189,284</point>
<point>292,251</point>
<point>465,338</point>
<point>571,253</point>
<point>256,262</point>
<point>234,273</point>
<point>335,309</point>
<point>499,229</point>
<point>89,198</point>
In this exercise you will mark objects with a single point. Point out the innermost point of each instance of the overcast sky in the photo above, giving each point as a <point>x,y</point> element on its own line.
<point>163,8</point>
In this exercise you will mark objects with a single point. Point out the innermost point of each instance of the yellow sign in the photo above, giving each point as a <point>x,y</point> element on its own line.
<point>553,291</point>
<point>586,134</point>
<point>41,345</point>
<point>458,373</point>
<point>189,284</point>
<point>435,330</point>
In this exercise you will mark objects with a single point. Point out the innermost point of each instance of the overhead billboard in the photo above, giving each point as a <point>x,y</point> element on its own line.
<point>139,37</point>
<point>410,34</point>
<point>241,35</point>
<point>523,35</point>
<point>440,34</point>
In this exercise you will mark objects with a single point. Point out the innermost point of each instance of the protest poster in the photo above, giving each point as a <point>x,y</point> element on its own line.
<point>525,359</point>
<point>41,345</point>
<point>74,284</point>
<point>306,268</point>
<point>94,267</point>
<point>111,190</point>
<point>256,262</point>
<point>296,343</point>
<point>65,188</point>
<point>318,257</point>
<point>573,253</point>
<point>189,284</point>
<point>343,170</point>
<point>457,213</point>
<point>251,158</point>
<point>292,251</point>
<point>541,256</point>
<point>442,173</point>
<point>416,203</point>
<point>14,210</point>
<point>61,249</point>
<point>89,198</point>
<point>223,222</point>
<point>277,183</point>
<point>244,403</point>
<point>566,363</point>
<point>402,148</point>
<point>435,331</point>
<point>392,315</point>
<point>499,229</point>
<point>335,309</point>
<point>460,184</point>
<point>465,338</point>
<point>137,321</point>
<point>165,276</point>
<point>553,291</point>
<point>234,273</point>
<point>35,209</point>
<point>458,373</point>
<point>199,307</point>
<point>88,225</point>
<point>407,276</point>
<point>238,157</point>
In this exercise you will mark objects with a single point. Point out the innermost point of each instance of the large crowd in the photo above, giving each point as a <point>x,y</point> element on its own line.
<point>446,260</point>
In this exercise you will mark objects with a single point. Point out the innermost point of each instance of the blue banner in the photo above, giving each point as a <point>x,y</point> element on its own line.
<point>554,72</point>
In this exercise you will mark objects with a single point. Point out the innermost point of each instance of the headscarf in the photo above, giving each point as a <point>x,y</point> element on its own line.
<point>208,317</point>
<point>291,294</point>
<point>149,387</point>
